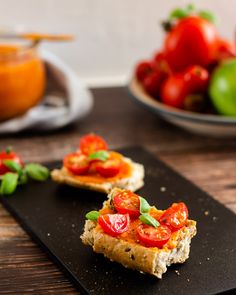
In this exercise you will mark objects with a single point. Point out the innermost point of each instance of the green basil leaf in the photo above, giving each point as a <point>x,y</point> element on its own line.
<point>12,165</point>
<point>37,171</point>
<point>148,219</point>
<point>9,183</point>
<point>208,16</point>
<point>144,206</point>
<point>99,155</point>
<point>92,215</point>
<point>23,177</point>
<point>178,13</point>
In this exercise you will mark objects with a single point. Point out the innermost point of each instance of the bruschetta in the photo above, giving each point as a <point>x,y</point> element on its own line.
<point>94,167</point>
<point>131,232</point>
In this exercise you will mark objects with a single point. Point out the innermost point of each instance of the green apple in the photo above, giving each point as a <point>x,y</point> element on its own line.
<point>222,88</point>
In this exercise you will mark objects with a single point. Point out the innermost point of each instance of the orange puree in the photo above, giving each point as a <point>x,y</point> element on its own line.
<point>22,80</point>
<point>125,172</point>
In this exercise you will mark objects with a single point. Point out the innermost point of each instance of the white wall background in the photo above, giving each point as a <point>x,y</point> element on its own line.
<point>110,35</point>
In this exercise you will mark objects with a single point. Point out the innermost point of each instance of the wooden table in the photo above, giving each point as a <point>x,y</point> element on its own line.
<point>208,162</point>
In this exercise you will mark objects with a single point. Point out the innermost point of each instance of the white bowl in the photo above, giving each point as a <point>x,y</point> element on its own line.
<point>204,124</point>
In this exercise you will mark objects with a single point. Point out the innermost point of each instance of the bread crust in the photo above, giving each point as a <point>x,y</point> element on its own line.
<point>153,261</point>
<point>132,183</point>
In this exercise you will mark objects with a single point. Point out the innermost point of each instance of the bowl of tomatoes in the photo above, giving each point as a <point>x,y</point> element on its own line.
<point>191,81</point>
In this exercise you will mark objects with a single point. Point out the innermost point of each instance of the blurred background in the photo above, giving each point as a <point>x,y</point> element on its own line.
<point>110,35</point>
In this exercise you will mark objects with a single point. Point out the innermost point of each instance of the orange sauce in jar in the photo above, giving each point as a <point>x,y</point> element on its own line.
<point>22,80</point>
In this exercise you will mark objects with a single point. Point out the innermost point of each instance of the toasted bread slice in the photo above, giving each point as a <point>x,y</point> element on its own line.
<point>132,255</point>
<point>132,183</point>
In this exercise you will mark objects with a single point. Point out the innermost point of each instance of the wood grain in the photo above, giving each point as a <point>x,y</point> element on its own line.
<point>208,162</point>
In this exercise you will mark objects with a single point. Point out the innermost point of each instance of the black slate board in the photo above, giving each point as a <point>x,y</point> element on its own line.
<point>54,216</point>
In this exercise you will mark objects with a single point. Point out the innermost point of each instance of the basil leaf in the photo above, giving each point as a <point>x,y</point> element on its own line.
<point>208,16</point>
<point>12,165</point>
<point>9,183</point>
<point>144,206</point>
<point>178,13</point>
<point>37,171</point>
<point>23,177</point>
<point>92,215</point>
<point>99,155</point>
<point>148,219</point>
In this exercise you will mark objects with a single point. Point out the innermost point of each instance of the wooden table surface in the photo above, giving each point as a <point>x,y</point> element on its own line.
<point>208,162</point>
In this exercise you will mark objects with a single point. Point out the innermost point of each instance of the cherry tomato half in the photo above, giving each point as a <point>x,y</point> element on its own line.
<point>109,168</point>
<point>8,156</point>
<point>175,217</point>
<point>114,224</point>
<point>153,237</point>
<point>127,202</point>
<point>91,143</point>
<point>77,163</point>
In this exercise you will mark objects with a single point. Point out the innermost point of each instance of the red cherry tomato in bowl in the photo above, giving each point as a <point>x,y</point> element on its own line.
<point>77,163</point>
<point>174,90</point>
<point>109,168</point>
<point>127,202</point>
<point>153,237</point>
<point>193,40</point>
<point>8,156</point>
<point>114,224</point>
<point>175,217</point>
<point>143,69</point>
<point>91,143</point>
<point>152,83</point>
<point>225,49</point>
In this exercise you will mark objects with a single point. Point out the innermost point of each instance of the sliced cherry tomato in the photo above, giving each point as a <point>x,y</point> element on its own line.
<point>142,70</point>
<point>114,224</point>
<point>8,156</point>
<point>193,40</point>
<point>175,217</point>
<point>91,143</point>
<point>77,163</point>
<point>153,237</point>
<point>127,202</point>
<point>109,168</point>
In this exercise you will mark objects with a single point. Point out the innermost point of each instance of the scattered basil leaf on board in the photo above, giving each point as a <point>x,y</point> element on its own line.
<point>148,219</point>
<point>92,215</point>
<point>9,183</point>
<point>144,206</point>
<point>23,177</point>
<point>37,171</point>
<point>12,165</point>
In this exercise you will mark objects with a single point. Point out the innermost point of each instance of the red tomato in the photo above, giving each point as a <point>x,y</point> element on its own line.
<point>192,41</point>
<point>225,49</point>
<point>175,217</point>
<point>127,202</point>
<point>109,168</point>
<point>197,78</point>
<point>77,163</point>
<point>142,70</point>
<point>159,63</point>
<point>91,143</point>
<point>174,90</point>
<point>152,83</point>
<point>153,237</point>
<point>8,156</point>
<point>114,224</point>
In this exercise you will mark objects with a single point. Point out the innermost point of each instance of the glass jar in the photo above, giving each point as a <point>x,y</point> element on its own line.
<point>22,78</point>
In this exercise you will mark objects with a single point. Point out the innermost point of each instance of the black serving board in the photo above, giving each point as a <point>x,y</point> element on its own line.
<point>54,216</point>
